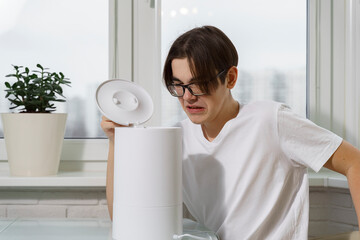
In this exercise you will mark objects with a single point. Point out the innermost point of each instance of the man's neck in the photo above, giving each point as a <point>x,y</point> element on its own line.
<point>212,129</point>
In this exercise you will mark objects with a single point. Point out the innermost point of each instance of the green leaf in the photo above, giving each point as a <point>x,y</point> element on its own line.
<point>58,89</point>
<point>33,102</point>
<point>20,84</point>
<point>16,102</point>
<point>22,93</point>
<point>7,85</point>
<point>39,66</point>
<point>11,75</point>
<point>17,67</point>
<point>37,80</point>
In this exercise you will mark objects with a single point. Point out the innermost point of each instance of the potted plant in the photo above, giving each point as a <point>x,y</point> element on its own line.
<point>34,136</point>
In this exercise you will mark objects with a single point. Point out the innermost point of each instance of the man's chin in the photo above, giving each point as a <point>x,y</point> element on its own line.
<point>195,119</point>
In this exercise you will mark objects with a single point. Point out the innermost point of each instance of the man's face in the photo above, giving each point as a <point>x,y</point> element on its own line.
<point>200,109</point>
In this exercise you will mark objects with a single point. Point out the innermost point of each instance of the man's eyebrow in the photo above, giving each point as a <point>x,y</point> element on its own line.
<point>175,79</point>
<point>178,80</point>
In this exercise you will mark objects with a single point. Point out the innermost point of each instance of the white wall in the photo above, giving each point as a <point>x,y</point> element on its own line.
<point>331,209</point>
<point>331,212</point>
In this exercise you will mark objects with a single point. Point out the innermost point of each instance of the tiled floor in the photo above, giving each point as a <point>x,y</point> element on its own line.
<point>55,229</point>
<point>69,229</point>
<point>344,236</point>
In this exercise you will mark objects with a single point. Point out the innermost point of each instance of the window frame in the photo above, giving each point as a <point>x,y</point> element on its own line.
<point>334,80</point>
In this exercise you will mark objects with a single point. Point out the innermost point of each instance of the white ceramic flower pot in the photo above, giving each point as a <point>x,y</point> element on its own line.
<point>33,142</point>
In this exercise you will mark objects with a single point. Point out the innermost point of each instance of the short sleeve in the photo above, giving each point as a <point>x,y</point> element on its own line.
<point>303,141</point>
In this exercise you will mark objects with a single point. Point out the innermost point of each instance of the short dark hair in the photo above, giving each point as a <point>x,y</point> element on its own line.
<point>208,50</point>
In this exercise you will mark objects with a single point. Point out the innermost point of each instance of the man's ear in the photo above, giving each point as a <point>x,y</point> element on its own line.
<point>232,77</point>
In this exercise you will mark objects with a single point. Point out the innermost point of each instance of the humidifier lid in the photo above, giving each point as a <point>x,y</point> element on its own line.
<point>124,102</point>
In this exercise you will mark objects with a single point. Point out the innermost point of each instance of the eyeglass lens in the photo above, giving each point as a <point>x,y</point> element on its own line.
<point>179,90</point>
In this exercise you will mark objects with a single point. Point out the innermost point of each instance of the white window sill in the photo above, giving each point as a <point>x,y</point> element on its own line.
<point>83,165</point>
<point>62,179</point>
<point>325,178</point>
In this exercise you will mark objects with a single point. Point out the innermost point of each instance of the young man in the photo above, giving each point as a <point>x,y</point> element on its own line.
<point>244,166</point>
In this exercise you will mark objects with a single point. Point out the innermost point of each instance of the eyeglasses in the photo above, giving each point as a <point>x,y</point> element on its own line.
<point>178,90</point>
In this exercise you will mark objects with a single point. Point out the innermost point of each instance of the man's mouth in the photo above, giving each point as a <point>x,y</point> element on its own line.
<point>194,109</point>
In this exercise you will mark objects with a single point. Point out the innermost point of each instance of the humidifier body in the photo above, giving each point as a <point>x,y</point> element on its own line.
<point>147,183</point>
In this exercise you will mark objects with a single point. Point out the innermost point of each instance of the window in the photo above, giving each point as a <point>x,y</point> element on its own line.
<point>334,75</point>
<point>69,36</point>
<point>270,37</point>
<point>272,52</point>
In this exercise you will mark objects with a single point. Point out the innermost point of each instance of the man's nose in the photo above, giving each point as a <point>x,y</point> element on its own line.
<point>187,95</point>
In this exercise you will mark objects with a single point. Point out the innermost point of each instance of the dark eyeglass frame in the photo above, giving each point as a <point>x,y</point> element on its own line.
<point>186,86</point>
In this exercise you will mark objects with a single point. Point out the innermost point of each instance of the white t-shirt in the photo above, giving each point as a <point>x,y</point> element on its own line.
<point>251,181</point>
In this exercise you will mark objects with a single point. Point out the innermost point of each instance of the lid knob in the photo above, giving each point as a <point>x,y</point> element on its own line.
<point>125,100</point>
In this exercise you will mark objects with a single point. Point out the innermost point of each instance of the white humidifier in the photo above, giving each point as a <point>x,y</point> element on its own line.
<point>147,200</point>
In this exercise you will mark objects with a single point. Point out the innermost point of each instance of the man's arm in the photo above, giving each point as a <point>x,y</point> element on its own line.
<point>110,179</point>
<point>346,160</point>
<point>109,128</point>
